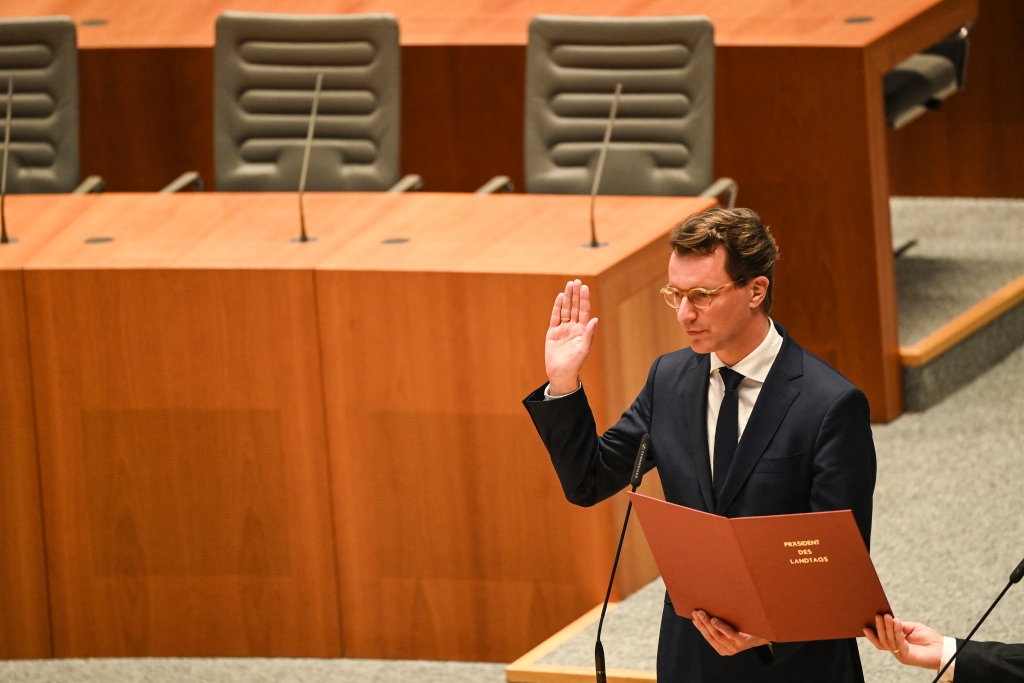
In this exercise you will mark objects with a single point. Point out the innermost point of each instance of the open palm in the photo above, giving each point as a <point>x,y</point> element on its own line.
<point>569,339</point>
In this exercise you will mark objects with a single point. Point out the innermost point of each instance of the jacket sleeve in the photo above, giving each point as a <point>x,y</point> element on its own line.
<point>989,662</point>
<point>591,468</point>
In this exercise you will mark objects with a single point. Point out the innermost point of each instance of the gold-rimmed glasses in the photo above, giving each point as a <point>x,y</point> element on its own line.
<point>699,297</point>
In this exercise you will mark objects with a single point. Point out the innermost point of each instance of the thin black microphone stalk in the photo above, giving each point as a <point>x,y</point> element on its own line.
<point>4,239</point>
<point>594,244</point>
<point>638,474</point>
<point>1015,577</point>
<point>303,237</point>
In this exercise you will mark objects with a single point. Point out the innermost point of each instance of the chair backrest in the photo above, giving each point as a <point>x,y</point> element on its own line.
<point>41,53</point>
<point>662,141</point>
<point>265,72</point>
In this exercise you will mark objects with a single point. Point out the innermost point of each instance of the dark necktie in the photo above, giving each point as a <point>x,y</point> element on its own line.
<point>728,427</point>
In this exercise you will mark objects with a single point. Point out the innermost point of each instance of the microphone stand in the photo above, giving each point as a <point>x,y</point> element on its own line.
<point>4,239</point>
<point>600,169</point>
<point>303,237</point>
<point>634,482</point>
<point>1015,577</point>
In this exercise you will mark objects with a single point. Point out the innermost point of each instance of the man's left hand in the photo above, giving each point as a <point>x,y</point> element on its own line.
<point>724,638</point>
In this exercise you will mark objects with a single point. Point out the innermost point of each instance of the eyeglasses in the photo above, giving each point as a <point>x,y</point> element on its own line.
<point>699,297</point>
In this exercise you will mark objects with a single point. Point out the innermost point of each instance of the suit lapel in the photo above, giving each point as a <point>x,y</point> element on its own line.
<point>774,401</point>
<point>695,397</point>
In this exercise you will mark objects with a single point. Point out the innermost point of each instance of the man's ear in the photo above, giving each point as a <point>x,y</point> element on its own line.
<point>758,290</point>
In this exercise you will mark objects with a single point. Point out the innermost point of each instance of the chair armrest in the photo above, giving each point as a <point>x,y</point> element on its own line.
<point>410,183</point>
<point>188,179</point>
<point>499,183</point>
<point>93,183</point>
<point>726,186</point>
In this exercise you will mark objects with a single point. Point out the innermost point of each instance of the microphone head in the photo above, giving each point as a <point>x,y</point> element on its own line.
<point>638,466</point>
<point>1017,574</point>
<point>602,677</point>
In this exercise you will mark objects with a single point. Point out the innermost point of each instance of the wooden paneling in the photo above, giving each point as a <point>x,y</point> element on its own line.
<point>971,146</point>
<point>24,603</point>
<point>146,115</point>
<point>182,443</point>
<point>468,549</point>
<point>462,114</point>
<point>812,184</point>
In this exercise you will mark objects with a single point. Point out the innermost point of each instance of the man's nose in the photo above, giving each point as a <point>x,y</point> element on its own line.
<point>686,313</point>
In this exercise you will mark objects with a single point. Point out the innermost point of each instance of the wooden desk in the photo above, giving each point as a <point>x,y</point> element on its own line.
<point>468,549</point>
<point>251,447</point>
<point>181,436</point>
<point>25,626</point>
<point>799,124</point>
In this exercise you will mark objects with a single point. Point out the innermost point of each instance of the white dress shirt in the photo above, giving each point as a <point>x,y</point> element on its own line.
<point>754,368</point>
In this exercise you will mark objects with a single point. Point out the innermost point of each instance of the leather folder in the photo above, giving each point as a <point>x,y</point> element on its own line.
<point>786,578</point>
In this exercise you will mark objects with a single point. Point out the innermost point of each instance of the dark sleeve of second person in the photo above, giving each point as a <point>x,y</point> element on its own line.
<point>591,468</point>
<point>989,663</point>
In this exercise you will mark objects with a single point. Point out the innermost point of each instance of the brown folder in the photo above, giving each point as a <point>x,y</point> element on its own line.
<point>786,578</point>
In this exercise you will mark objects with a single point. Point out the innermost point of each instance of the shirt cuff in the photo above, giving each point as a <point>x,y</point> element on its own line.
<point>549,397</point>
<point>948,648</point>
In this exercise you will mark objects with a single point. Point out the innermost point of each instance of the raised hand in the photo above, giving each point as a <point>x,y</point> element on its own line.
<point>569,339</point>
<point>912,643</point>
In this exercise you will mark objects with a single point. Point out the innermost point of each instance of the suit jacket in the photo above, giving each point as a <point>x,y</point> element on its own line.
<point>989,663</point>
<point>807,447</point>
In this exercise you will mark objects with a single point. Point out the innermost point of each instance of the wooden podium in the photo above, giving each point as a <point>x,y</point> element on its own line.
<point>254,447</point>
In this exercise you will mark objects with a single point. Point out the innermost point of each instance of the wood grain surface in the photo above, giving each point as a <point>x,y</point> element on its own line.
<point>182,443</point>
<point>146,115</point>
<point>468,547</point>
<point>24,603</point>
<point>191,364</point>
<point>189,23</point>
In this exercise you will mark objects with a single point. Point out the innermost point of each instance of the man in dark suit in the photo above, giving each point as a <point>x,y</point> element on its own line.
<point>744,422</point>
<point>915,644</point>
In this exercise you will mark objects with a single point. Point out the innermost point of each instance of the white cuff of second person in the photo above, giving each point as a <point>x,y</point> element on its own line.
<point>948,648</point>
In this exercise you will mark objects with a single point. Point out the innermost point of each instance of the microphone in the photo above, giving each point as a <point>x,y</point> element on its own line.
<point>4,239</point>
<point>638,474</point>
<point>1015,577</point>
<point>303,237</point>
<point>600,168</point>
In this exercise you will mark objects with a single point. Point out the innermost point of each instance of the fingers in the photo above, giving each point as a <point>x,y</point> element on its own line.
<point>566,308</point>
<point>713,634</point>
<point>556,312</point>
<point>574,312</point>
<point>726,630</point>
<point>572,306</point>
<point>901,638</point>
<point>584,315</point>
<point>588,335</point>
<point>890,634</point>
<point>873,638</point>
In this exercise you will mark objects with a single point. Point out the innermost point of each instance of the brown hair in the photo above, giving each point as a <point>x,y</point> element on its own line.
<point>750,250</point>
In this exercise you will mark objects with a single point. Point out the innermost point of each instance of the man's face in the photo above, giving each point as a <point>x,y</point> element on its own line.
<point>725,323</point>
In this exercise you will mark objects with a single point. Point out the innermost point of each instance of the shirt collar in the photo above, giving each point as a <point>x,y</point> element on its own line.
<point>758,362</point>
